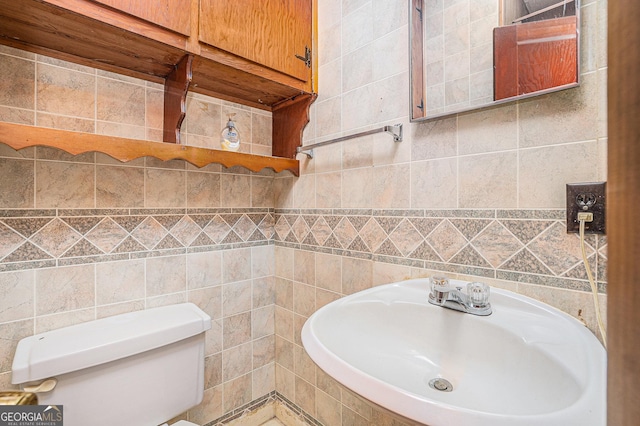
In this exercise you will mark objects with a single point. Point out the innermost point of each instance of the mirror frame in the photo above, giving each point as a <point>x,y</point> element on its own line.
<point>418,93</point>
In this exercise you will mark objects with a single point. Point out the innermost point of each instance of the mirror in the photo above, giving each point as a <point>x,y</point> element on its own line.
<point>470,54</point>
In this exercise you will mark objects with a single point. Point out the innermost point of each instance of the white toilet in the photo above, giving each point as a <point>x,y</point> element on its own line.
<point>138,369</point>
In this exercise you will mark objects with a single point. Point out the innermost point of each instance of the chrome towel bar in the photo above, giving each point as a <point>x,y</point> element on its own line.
<point>395,130</point>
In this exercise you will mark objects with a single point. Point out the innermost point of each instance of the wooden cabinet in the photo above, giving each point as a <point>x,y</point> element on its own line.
<point>243,51</point>
<point>274,33</point>
<point>173,15</point>
<point>535,56</point>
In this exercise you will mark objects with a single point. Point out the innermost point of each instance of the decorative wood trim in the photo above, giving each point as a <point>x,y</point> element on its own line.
<point>418,98</point>
<point>19,136</point>
<point>289,120</point>
<point>176,86</point>
<point>623,224</point>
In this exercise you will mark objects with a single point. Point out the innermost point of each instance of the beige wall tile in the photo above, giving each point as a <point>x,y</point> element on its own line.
<point>210,408</point>
<point>305,396</point>
<point>203,189</point>
<point>304,266</point>
<point>120,130</point>
<point>237,392</point>
<point>65,289</point>
<point>357,153</point>
<point>165,275</point>
<point>17,88</point>
<point>390,185</point>
<point>203,118</point>
<point>263,351</point>
<point>17,187</point>
<point>263,291</point>
<point>488,130</point>
<point>120,102</point>
<point>544,172</point>
<point>329,189</point>
<point>304,191</point>
<point>284,262</point>
<point>263,380</point>
<point>236,298</point>
<point>120,281</point>
<point>164,188</point>
<point>329,272</point>
<point>10,334</point>
<point>304,300</point>
<point>65,123</point>
<point>66,92</point>
<point>64,185</point>
<point>235,190</point>
<point>262,322</point>
<point>119,187</point>
<point>119,308</point>
<point>566,116</point>
<point>488,181</point>
<point>154,108</point>
<point>329,112</point>
<point>261,128</point>
<point>330,85</point>
<point>236,330</point>
<point>262,261</point>
<point>209,299</point>
<point>17,293</point>
<point>283,192</point>
<point>434,139</point>
<point>64,319</point>
<point>262,191</point>
<point>357,275</point>
<point>17,115</point>
<point>236,265</point>
<point>357,188</point>
<point>434,184</point>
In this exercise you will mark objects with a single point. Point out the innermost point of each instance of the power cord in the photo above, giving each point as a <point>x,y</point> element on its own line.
<point>584,217</point>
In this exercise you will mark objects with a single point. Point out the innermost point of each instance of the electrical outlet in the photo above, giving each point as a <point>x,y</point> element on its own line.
<point>588,198</point>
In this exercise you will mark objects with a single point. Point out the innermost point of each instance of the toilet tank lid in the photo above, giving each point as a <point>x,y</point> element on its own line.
<point>97,342</point>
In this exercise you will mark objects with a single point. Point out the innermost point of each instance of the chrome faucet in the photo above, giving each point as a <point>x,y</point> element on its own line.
<point>472,299</point>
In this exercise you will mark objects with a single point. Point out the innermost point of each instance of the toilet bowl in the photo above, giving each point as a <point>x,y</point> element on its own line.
<point>140,368</point>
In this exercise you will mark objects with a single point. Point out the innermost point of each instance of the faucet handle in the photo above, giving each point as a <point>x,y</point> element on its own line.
<point>478,294</point>
<point>440,283</point>
<point>440,288</point>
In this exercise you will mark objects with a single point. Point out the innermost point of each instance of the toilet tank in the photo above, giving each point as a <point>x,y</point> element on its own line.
<point>136,369</point>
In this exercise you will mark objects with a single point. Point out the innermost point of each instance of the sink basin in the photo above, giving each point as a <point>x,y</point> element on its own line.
<point>525,364</point>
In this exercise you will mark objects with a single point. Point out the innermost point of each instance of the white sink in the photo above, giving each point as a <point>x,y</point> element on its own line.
<point>525,364</point>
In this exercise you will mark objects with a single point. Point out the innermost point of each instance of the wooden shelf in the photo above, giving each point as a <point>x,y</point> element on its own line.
<point>19,136</point>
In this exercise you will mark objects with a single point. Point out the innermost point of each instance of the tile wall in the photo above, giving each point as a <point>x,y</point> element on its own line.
<point>479,195</point>
<point>85,237</point>
<point>459,53</point>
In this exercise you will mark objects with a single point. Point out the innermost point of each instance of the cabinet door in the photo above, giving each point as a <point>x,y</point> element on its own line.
<point>535,56</point>
<point>170,14</point>
<point>269,32</point>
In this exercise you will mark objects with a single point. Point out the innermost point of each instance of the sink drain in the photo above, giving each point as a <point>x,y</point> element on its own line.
<point>440,384</point>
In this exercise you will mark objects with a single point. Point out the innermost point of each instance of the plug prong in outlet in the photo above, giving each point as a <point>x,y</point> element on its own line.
<point>586,198</point>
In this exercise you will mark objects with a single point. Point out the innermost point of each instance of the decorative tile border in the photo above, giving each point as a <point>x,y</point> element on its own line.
<point>271,398</point>
<point>519,245</point>
<point>42,238</point>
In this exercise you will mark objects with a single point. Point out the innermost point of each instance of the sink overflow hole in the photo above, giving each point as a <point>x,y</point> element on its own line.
<point>441,384</point>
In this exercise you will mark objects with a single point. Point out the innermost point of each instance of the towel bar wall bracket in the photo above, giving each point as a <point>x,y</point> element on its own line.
<point>394,130</point>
